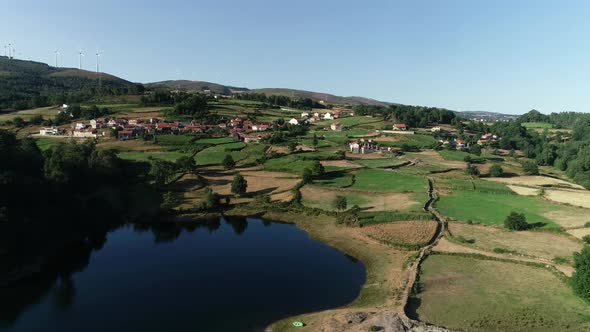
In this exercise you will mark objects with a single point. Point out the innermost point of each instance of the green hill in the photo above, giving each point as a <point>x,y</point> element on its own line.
<point>25,84</point>
<point>195,86</point>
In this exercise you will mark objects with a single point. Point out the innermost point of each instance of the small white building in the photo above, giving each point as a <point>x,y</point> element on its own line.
<point>86,133</point>
<point>304,115</point>
<point>336,126</point>
<point>354,147</point>
<point>49,131</point>
<point>80,126</point>
<point>328,116</point>
<point>294,121</point>
<point>435,129</point>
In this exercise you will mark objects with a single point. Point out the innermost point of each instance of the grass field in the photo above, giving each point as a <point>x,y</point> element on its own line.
<point>492,209</point>
<point>378,180</point>
<point>215,140</point>
<point>345,133</point>
<point>380,163</point>
<point>457,155</point>
<point>349,121</point>
<point>545,245</point>
<point>537,125</point>
<point>46,143</point>
<point>406,234</point>
<point>214,155</point>
<point>144,156</point>
<point>482,295</point>
<point>415,141</point>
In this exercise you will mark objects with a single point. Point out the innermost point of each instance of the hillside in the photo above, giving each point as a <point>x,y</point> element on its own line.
<point>318,96</point>
<point>25,83</point>
<point>195,86</point>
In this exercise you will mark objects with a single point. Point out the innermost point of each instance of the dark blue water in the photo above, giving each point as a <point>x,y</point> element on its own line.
<point>219,276</point>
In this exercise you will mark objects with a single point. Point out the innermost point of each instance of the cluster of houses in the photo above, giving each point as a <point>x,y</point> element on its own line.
<point>486,139</point>
<point>310,118</point>
<point>363,146</point>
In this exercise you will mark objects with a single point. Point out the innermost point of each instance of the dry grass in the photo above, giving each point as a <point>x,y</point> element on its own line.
<point>536,180</point>
<point>130,145</point>
<point>524,191</point>
<point>579,232</point>
<point>544,245</point>
<point>259,182</point>
<point>340,163</point>
<point>569,218</point>
<point>322,197</point>
<point>577,198</point>
<point>409,232</point>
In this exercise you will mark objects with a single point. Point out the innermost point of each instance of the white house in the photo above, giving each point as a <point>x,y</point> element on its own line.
<point>49,131</point>
<point>85,133</point>
<point>435,129</point>
<point>328,116</point>
<point>304,115</point>
<point>336,126</point>
<point>80,126</point>
<point>400,126</point>
<point>354,147</point>
<point>294,121</point>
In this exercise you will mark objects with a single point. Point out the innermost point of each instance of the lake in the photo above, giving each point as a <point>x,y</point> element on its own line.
<point>220,275</point>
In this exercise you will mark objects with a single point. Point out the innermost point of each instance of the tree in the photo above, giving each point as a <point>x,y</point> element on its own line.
<point>18,122</point>
<point>496,171</point>
<point>169,200</point>
<point>210,200</point>
<point>307,176</point>
<point>475,149</point>
<point>36,119</point>
<point>581,277</point>
<point>516,221</point>
<point>317,168</point>
<point>228,162</point>
<point>239,185</point>
<point>340,203</point>
<point>292,146</point>
<point>314,141</point>
<point>186,164</point>
<point>530,168</point>
<point>472,170</point>
<point>161,171</point>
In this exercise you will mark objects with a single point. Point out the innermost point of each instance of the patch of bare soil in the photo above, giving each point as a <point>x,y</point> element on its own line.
<point>321,197</point>
<point>574,197</point>
<point>536,180</point>
<point>410,232</point>
<point>340,163</point>
<point>524,191</point>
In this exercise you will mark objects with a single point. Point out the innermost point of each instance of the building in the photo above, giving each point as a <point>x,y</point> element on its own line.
<point>49,131</point>
<point>92,133</point>
<point>304,115</point>
<point>400,126</point>
<point>294,121</point>
<point>328,116</point>
<point>435,129</point>
<point>336,126</point>
<point>460,144</point>
<point>125,134</point>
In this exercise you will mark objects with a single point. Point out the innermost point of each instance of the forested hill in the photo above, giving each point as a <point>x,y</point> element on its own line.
<point>25,84</point>
<point>195,86</point>
<point>318,96</point>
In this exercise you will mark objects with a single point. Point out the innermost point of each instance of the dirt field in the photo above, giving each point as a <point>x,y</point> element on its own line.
<point>568,218</point>
<point>524,191</point>
<point>322,197</point>
<point>340,163</point>
<point>577,198</point>
<point>544,245</point>
<point>536,180</point>
<point>579,232</point>
<point>410,232</point>
<point>259,182</point>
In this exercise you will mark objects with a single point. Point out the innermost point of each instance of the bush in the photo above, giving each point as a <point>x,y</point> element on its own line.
<point>36,120</point>
<point>581,278</point>
<point>516,221</point>
<point>530,168</point>
<point>340,203</point>
<point>239,185</point>
<point>210,200</point>
<point>307,176</point>
<point>472,170</point>
<point>586,238</point>
<point>496,171</point>
<point>228,162</point>
<point>462,239</point>
<point>499,250</point>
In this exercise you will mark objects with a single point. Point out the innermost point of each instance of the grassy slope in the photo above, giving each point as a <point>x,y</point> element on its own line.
<point>478,295</point>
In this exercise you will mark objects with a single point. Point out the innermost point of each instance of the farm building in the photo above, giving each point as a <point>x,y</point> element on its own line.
<point>400,126</point>
<point>336,126</point>
<point>49,131</point>
<point>294,121</point>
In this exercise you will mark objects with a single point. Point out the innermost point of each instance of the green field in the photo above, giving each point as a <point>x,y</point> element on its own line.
<point>215,140</point>
<point>345,133</point>
<point>415,141</point>
<point>492,209</point>
<point>376,180</point>
<point>537,125</point>
<point>482,295</point>
<point>349,121</point>
<point>214,155</point>
<point>456,155</point>
<point>144,156</point>
<point>380,163</point>
<point>47,143</point>
<point>289,163</point>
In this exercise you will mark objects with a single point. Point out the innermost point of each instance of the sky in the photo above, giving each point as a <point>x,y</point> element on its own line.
<point>507,56</point>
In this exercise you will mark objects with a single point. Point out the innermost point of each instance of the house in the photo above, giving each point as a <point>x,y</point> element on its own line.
<point>435,129</point>
<point>304,115</point>
<point>79,126</point>
<point>354,147</point>
<point>294,121</point>
<point>336,126</point>
<point>460,144</point>
<point>125,134</point>
<point>400,126</point>
<point>92,133</point>
<point>328,116</point>
<point>260,127</point>
<point>49,131</point>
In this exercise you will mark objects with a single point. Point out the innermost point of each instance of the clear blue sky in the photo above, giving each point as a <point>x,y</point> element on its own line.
<point>504,55</point>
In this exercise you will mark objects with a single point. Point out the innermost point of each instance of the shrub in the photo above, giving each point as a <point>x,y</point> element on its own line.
<point>561,260</point>
<point>581,278</point>
<point>516,221</point>
<point>239,185</point>
<point>340,203</point>
<point>472,170</point>
<point>499,250</point>
<point>462,239</point>
<point>307,176</point>
<point>586,238</point>
<point>496,170</point>
<point>228,162</point>
<point>210,200</point>
<point>530,168</point>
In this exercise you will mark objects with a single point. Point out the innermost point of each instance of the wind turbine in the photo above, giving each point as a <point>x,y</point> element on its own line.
<point>56,55</point>
<point>6,51</point>
<point>9,50</point>
<point>97,56</point>
<point>80,54</point>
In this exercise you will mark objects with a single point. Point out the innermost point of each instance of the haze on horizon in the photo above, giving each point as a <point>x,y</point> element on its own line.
<point>499,56</point>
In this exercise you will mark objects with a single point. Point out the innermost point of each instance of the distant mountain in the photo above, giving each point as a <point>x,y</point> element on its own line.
<point>318,96</point>
<point>487,116</point>
<point>195,86</point>
<point>21,81</point>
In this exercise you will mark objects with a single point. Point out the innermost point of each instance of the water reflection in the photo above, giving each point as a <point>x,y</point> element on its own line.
<point>202,274</point>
